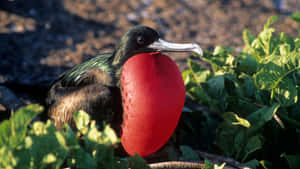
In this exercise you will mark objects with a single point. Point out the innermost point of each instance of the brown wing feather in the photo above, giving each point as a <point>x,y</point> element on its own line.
<point>91,94</point>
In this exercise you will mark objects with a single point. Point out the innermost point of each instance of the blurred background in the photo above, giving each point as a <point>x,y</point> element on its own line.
<point>39,39</point>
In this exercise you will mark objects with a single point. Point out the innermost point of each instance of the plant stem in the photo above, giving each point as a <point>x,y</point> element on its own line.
<point>222,159</point>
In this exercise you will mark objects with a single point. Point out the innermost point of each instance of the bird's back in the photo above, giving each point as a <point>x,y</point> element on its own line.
<point>72,76</point>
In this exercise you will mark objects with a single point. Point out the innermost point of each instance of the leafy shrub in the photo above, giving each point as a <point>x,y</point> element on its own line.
<point>256,95</point>
<point>40,145</point>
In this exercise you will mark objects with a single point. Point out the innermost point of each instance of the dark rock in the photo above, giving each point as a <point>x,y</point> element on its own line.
<point>8,100</point>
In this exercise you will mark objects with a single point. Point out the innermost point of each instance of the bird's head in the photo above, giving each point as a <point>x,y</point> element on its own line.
<point>142,39</point>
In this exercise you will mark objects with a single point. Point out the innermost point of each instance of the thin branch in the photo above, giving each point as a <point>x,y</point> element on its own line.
<point>252,101</point>
<point>181,165</point>
<point>177,165</point>
<point>222,159</point>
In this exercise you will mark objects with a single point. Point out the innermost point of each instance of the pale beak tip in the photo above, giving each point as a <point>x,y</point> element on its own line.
<point>197,49</point>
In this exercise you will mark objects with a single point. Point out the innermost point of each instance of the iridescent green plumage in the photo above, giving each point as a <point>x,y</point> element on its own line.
<point>102,62</point>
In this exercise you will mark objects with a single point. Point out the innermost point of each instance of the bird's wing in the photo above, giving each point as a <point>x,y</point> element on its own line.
<point>98,68</point>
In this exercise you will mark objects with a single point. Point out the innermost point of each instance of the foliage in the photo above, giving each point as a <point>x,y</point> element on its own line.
<point>250,111</point>
<point>40,145</point>
<point>255,95</point>
<point>296,17</point>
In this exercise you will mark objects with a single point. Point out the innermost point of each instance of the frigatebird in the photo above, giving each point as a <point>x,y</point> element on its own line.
<point>95,86</point>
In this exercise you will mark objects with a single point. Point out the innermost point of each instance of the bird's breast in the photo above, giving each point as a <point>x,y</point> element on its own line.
<point>153,95</point>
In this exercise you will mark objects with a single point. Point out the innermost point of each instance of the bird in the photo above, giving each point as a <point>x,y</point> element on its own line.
<point>95,86</point>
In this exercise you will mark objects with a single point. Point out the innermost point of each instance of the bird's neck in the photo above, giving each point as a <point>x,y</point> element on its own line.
<point>119,58</point>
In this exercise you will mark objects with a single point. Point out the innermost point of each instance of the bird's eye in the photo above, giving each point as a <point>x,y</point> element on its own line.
<point>140,40</point>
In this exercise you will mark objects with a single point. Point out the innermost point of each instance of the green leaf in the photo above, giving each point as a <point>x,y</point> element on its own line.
<point>45,143</point>
<point>100,145</point>
<point>187,77</point>
<point>275,69</point>
<point>109,136</point>
<point>49,158</point>
<point>275,76</point>
<point>198,73</point>
<point>286,93</point>
<point>266,164</point>
<point>248,85</point>
<point>232,85</point>
<point>287,42</point>
<point>228,136</point>
<point>296,17</point>
<point>297,45</point>
<point>94,137</point>
<point>188,154</point>
<point>208,164</point>
<point>200,94</point>
<point>265,44</point>
<point>7,158</point>
<point>5,134</point>
<point>293,160</point>
<point>13,131</point>
<point>137,162</point>
<point>81,119</point>
<point>252,163</point>
<point>254,143</point>
<point>259,118</point>
<point>216,86</point>
<point>79,158</point>
<point>247,63</point>
<point>270,21</point>
<point>241,121</point>
<point>221,60</point>
<point>248,38</point>
<point>221,50</point>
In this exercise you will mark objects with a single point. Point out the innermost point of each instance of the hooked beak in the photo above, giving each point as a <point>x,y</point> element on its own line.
<point>164,46</point>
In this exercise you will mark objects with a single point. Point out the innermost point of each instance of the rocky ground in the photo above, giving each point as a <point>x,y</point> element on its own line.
<point>41,39</point>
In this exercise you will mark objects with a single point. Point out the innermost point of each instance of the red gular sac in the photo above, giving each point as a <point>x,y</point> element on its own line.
<point>153,95</point>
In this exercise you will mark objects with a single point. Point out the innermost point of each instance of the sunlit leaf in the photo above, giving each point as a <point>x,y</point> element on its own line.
<point>241,121</point>
<point>49,158</point>
<point>197,73</point>
<point>13,131</point>
<point>270,21</point>
<point>7,158</point>
<point>276,69</point>
<point>265,164</point>
<point>81,119</point>
<point>219,167</point>
<point>286,93</point>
